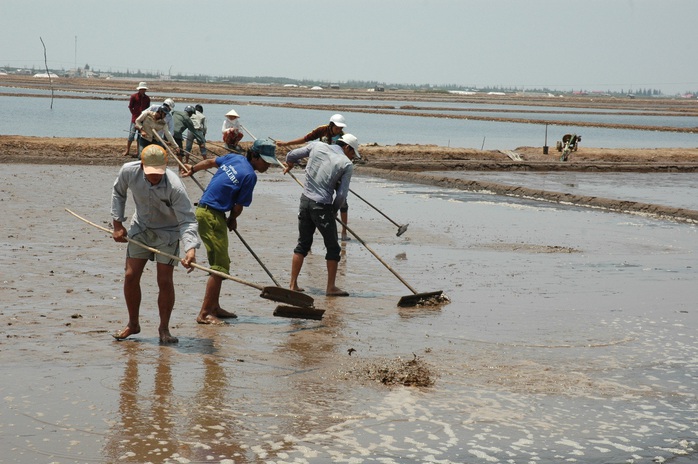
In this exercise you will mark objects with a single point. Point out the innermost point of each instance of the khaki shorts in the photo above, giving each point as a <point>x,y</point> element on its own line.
<point>150,238</point>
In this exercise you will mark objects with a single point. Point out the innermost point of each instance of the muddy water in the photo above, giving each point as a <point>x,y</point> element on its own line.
<point>571,335</point>
<point>670,189</point>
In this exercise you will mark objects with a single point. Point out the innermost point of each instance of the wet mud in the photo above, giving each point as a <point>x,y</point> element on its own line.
<point>570,335</point>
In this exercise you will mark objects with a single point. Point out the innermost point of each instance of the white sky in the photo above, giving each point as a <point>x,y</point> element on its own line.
<point>560,44</point>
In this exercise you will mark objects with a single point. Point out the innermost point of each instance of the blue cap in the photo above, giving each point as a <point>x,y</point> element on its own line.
<point>266,149</point>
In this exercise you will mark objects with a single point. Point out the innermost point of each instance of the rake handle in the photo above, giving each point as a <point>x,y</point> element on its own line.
<point>365,245</point>
<point>369,204</point>
<point>234,230</point>
<point>176,258</point>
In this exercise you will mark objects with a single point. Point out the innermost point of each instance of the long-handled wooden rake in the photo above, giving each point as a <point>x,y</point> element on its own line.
<point>409,300</point>
<point>302,302</point>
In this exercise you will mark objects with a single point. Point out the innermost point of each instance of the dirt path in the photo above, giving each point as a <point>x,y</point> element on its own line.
<point>406,162</point>
<point>108,151</point>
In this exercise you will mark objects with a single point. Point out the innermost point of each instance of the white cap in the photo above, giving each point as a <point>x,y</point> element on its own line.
<point>232,113</point>
<point>142,85</point>
<point>338,120</point>
<point>352,141</point>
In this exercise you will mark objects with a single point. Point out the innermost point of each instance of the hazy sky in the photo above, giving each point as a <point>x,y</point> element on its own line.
<point>559,44</point>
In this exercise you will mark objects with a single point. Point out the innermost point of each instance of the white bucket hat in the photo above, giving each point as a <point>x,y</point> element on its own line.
<point>142,85</point>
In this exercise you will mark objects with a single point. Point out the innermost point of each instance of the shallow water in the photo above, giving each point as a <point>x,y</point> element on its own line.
<point>671,189</point>
<point>31,116</point>
<point>571,336</point>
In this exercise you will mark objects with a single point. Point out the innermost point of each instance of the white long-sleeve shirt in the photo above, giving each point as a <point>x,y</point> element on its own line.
<point>327,173</point>
<point>164,208</point>
<point>168,118</point>
<point>228,124</point>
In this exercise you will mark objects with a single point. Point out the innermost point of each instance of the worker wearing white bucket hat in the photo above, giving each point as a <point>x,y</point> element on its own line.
<point>138,103</point>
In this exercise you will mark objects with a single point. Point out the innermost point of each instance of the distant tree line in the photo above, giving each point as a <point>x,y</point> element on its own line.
<point>269,80</point>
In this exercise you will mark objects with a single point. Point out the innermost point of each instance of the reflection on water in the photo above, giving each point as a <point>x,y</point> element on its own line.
<point>570,338</point>
<point>161,418</point>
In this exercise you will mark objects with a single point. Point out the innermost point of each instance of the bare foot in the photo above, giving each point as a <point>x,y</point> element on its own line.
<point>336,292</point>
<point>223,314</point>
<point>127,154</point>
<point>296,288</point>
<point>209,319</point>
<point>165,337</point>
<point>345,238</point>
<point>128,331</point>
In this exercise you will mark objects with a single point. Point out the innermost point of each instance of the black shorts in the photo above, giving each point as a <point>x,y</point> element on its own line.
<point>314,216</point>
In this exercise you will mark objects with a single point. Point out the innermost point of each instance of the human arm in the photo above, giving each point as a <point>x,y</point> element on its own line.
<point>189,259</point>
<point>118,206</point>
<point>297,141</point>
<point>293,156</point>
<point>184,211</point>
<point>232,217</point>
<point>200,166</point>
<point>132,106</point>
<point>141,119</point>
<point>119,233</point>
<point>342,189</point>
<point>315,134</point>
<point>168,136</point>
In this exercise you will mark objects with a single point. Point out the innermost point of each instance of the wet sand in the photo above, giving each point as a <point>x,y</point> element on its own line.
<point>570,335</point>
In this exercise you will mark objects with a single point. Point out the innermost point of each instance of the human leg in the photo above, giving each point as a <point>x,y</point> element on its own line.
<point>142,143</point>
<point>132,295</point>
<point>306,229</point>
<point>296,266</point>
<point>207,314</point>
<point>328,229</point>
<point>131,138</point>
<point>214,235</point>
<point>180,145</point>
<point>332,289</point>
<point>202,149</point>
<point>166,301</point>
<point>190,141</point>
<point>202,145</point>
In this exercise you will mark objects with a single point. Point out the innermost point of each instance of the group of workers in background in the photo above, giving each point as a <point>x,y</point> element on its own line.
<point>165,216</point>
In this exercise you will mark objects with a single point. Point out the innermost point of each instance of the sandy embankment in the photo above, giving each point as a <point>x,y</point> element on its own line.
<point>407,162</point>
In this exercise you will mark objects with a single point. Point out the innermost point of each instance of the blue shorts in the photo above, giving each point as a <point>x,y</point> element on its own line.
<point>132,132</point>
